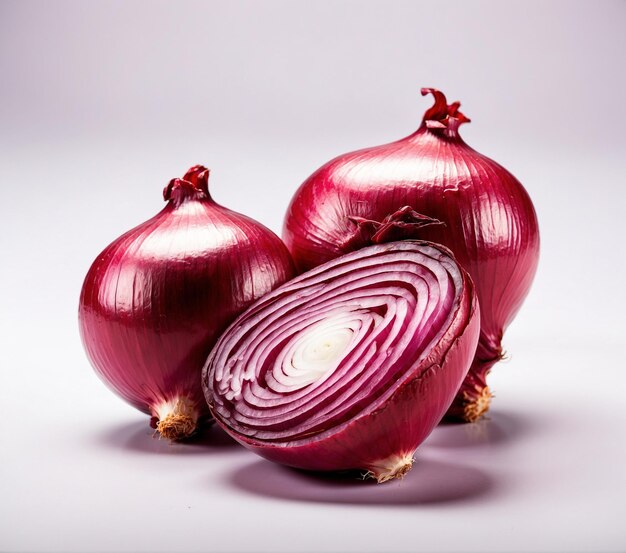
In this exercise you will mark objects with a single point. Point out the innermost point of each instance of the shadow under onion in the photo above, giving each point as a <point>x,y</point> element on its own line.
<point>497,428</point>
<point>138,436</point>
<point>430,481</point>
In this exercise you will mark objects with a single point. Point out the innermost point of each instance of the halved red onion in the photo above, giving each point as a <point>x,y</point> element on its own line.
<point>350,365</point>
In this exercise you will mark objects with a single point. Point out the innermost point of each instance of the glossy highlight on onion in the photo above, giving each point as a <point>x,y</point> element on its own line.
<point>487,217</point>
<point>350,365</point>
<point>157,298</point>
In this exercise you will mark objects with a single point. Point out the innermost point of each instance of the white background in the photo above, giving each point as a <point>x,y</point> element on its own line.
<point>101,104</point>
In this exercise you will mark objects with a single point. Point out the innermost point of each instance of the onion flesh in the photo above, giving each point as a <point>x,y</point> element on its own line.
<point>350,365</point>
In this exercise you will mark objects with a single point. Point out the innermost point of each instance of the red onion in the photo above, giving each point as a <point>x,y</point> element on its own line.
<point>350,365</point>
<point>155,300</point>
<point>489,222</point>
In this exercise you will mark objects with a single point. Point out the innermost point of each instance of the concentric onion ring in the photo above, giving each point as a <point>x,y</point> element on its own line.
<point>348,366</point>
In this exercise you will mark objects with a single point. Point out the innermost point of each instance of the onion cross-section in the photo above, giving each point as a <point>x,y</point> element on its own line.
<point>350,365</point>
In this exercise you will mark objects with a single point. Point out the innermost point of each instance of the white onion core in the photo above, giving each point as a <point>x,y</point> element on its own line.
<point>318,352</point>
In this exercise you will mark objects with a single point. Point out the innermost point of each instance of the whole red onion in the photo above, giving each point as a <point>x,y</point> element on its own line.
<point>489,222</point>
<point>350,365</point>
<point>156,299</point>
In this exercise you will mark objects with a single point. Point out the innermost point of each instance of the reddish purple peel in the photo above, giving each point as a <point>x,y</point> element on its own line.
<point>351,365</point>
<point>156,299</point>
<point>489,222</point>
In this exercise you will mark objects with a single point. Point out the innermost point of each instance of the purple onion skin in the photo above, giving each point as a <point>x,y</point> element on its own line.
<point>156,299</point>
<point>490,222</point>
<point>383,436</point>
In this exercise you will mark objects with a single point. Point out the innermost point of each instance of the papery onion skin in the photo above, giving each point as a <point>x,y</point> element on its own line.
<point>489,222</point>
<point>157,298</point>
<point>385,422</point>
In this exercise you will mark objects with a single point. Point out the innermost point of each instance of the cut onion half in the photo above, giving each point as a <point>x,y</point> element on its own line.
<point>350,365</point>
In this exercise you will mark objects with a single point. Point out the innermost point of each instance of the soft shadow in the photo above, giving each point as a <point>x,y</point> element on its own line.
<point>138,436</point>
<point>497,428</point>
<point>429,482</point>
